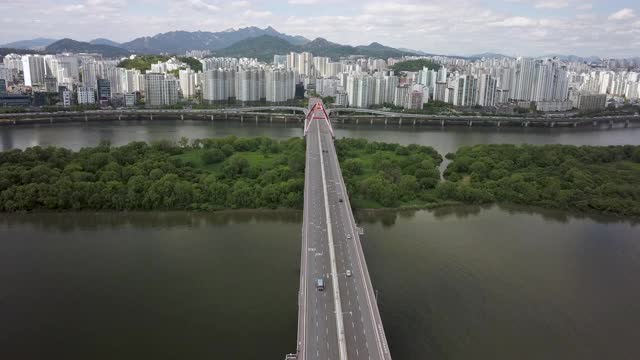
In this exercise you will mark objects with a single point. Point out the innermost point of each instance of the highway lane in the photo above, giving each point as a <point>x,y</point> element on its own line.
<point>319,339</point>
<point>363,332</point>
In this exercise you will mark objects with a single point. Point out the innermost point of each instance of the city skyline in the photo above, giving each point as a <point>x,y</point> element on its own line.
<point>510,27</point>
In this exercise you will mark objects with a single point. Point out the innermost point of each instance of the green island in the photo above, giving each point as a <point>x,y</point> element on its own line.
<point>603,179</point>
<point>234,173</point>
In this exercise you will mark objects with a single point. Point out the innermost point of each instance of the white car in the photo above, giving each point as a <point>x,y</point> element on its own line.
<point>348,236</point>
<point>348,273</point>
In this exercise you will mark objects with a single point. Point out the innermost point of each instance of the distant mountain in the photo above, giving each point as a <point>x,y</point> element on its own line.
<point>489,55</point>
<point>378,50</point>
<point>264,47</point>
<point>103,41</point>
<point>261,47</point>
<point>178,42</point>
<point>574,58</point>
<point>5,51</point>
<point>68,45</point>
<point>417,52</point>
<point>33,44</point>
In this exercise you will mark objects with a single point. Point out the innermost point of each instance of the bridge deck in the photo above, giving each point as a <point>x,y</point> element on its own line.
<point>330,247</point>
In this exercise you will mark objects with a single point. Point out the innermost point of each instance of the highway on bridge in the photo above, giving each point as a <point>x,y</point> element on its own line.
<point>342,321</point>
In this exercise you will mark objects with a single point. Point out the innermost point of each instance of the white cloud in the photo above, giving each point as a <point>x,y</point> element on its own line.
<point>438,26</point>
<point>552,4</point>
<point>515,21</point>
<point>203,5</point>
<point>585,7</point>
<point>303,2</point>
<point>73,8</point>
<point>255,14</point>
<point>623,14</point>
<point>241,3</point>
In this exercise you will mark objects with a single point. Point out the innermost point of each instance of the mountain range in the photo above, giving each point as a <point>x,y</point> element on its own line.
<point>265,46</point>
<point>33,44</point>
<point>178,42</point>
<point>68,45</point>
<point>249,41</point>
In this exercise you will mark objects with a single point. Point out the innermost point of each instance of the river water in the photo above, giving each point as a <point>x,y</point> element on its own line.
<point>454,283</point>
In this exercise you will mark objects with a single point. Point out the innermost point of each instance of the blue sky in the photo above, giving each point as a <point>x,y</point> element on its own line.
<point>513,27</point>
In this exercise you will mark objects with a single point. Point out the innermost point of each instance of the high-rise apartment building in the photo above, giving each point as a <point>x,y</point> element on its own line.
<point>160,89</point>
<point>33,69</point>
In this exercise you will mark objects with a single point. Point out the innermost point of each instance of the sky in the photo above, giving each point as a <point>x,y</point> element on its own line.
<point>606,28</point>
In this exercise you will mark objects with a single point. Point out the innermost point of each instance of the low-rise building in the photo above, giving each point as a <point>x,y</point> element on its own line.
<point>86,95</point>
<point>592,102</point>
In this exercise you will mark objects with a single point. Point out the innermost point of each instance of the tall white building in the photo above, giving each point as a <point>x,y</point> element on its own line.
<point>89,74</point>
<point>218,85</point>
<point>280,85</point>
<point>250,84</point>
<point>160,89</point>
<point>34,70</point>
<point>187,83</point>
<point>360,90</point>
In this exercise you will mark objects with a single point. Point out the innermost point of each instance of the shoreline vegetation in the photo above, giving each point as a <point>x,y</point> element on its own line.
<point>262,173</point>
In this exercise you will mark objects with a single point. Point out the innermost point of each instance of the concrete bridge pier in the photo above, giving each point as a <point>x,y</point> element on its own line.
<point>595,123</point>
<point>151,117</point>
<point>241,118</point>
<point>271,118</point>
<point>120,117</point>
<point>182,117</point>
<point>552,124</point>
<point>626,123</point>
<point>14,121</point>
<point>343,120</point>
<point>575,124</point>
<point>256,119</point>
<point>498,124</point>
<point>400,122</point>
<point>525,124</point>
<point>414,122</point>
<point>211,118</point>
<point>285,119</point>
<point>470,123</point>
<point>385,121</point>
<point>357,121</point>
<point>86,118</point>
<point>371,121</point>
<point>441,123</point>
<point>226,116</point>
<point>50,119</point>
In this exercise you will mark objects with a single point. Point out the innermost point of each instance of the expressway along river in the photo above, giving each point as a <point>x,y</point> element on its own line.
<point>454,283</point>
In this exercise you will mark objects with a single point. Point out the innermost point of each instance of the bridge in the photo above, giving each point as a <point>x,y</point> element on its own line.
<point>338,316</point>
<point>293,114</point>
<point>372,116</point>
<point>269,114</point>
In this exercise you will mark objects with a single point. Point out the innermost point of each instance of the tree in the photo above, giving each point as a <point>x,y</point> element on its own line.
<point>212,156</point>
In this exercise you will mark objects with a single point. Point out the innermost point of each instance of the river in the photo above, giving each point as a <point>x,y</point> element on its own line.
<point>444,140</point>
<point>453,283</point>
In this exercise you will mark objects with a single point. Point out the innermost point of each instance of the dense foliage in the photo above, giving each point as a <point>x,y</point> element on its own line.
<point>142,62</point>
<point>585,178</point>
<point>388,175</point>
<point>264,173</point>
<point>415,65</point>
<point>193,63</point>
<point>206,174</point>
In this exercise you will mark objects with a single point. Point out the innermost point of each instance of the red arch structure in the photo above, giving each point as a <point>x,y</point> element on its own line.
<point>317,112</point>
